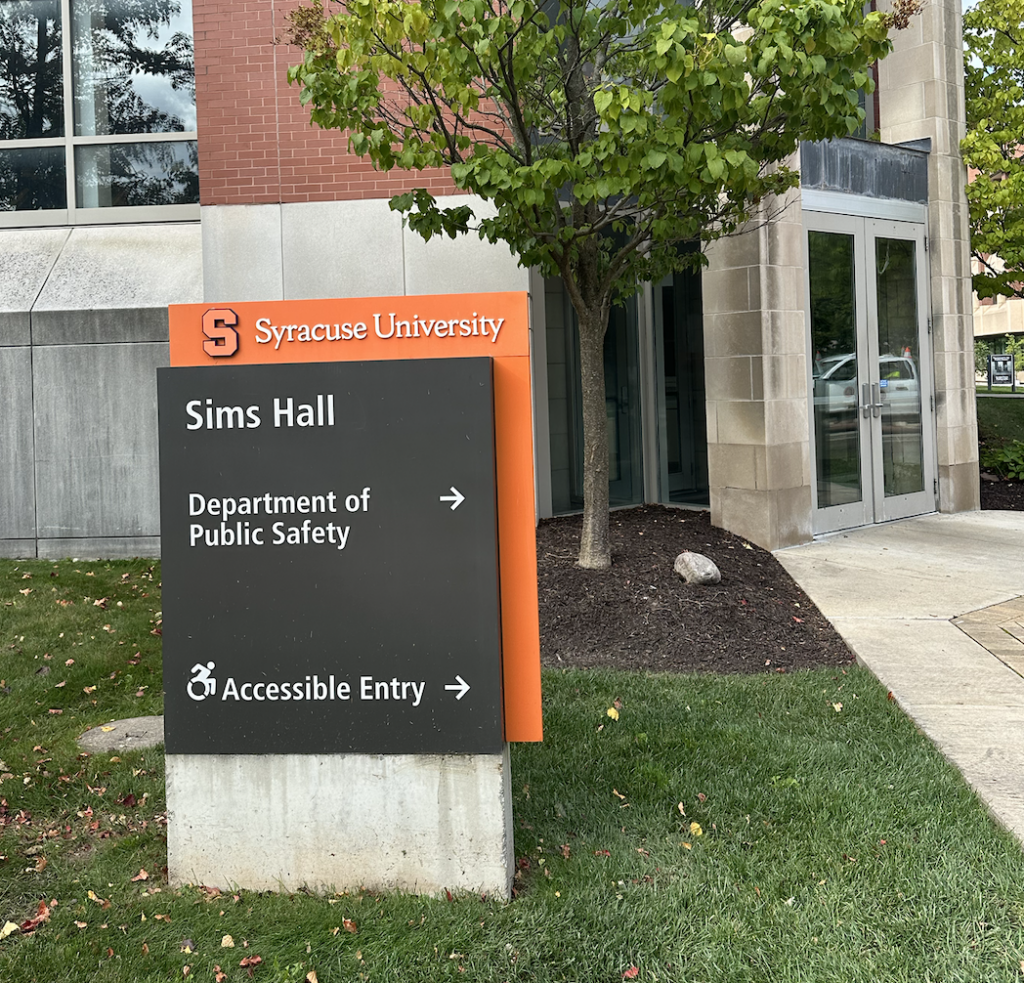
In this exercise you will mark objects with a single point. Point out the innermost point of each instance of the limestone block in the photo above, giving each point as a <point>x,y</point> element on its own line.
<point>242,253</point>
<point>341,249</point>
<point>731,334</point>
<point>466,264</point>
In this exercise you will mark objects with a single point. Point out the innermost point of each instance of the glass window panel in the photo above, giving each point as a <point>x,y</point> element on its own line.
<point>31,179</point>
<point>133,67</point>
<point>31,74</point>
<point>835,376</point>
<point>127,174</point>
<point>898,367</point>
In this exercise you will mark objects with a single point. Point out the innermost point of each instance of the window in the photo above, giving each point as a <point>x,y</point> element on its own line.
<point>97,112</point>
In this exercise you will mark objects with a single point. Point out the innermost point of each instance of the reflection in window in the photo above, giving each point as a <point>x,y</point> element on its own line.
<point>32,178</point>
<point>31,74</point>
<point>129,174</point>
<point>133,67</point>
<point>833,341</point>
<point>132,74</point>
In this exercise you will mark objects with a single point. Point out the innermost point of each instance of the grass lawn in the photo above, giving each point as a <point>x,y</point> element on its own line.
<point>1000,421</point>
<point>789,827</point>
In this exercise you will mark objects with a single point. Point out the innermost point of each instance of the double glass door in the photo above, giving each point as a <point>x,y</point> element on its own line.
<point>872,413</point>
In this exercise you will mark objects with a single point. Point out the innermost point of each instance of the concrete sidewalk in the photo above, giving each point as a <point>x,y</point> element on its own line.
<point>934,607</point>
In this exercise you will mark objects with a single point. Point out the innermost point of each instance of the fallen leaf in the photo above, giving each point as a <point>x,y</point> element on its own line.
<point>349,925</point>
<point>26,591</point>
<point>249,961</point>
<point>145,948</point>
<point>106,730</point>
<point>617,793</point>
<point>311,977</point>
<point>701,797</point>
<point>613,713</point>
<point>89,689</point>
<point>185,970</point>
<point>219,975</point>
<point>631,973</point>
<point>9,929</point>
<point>187,945</point>
<point>81,924</point>
<point>227,942</point>
<point>42,915</point>
<point>696,830</point>
<point>163,918</point>
<point>837,707</point>
<point>681,808</point>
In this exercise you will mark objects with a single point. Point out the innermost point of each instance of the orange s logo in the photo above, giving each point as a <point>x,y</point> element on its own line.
<point>220,327</point>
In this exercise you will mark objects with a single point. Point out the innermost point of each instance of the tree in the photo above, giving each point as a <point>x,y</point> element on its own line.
<point>994,52</point>
<point>603,132</point>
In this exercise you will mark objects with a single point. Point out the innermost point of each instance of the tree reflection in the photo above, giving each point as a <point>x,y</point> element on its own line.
<point>121,47</point>
<point>31,79</point>
<point>133,70</point>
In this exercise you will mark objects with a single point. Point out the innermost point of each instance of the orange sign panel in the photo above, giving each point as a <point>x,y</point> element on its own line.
<point>494,325</point>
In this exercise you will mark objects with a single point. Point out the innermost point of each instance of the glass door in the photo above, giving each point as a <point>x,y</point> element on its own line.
<point>872,426</point>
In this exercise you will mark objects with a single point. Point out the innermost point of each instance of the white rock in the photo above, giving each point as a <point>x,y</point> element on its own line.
<point>695,568</point>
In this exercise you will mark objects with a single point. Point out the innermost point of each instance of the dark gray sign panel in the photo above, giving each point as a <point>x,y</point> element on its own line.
<point>330,558</point>
<point>1000,370</point>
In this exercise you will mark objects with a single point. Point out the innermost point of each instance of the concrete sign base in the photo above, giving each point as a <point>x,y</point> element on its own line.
<point>417,823</point>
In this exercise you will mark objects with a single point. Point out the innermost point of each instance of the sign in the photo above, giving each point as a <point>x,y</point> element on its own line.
<point>329,539</point>
<point>487,325</point>
<point>1000,370</point>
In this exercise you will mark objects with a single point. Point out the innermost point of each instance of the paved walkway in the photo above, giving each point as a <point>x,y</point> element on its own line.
<point>934,607</point>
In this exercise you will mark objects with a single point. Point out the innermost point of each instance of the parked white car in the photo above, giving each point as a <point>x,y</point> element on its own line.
<point>837,393</point>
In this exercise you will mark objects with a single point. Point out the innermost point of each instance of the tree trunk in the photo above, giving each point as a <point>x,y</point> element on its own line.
<point>595,547</point>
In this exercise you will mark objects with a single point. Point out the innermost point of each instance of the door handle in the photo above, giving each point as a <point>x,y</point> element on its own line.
<point>865,399</point>
<point>877,404</point>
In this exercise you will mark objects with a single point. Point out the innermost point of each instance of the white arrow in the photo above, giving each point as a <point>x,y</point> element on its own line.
<point>461,685</point>
<point>456,498</point>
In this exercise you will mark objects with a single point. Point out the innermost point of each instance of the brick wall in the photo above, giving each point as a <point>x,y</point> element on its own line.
<point>256,143</point>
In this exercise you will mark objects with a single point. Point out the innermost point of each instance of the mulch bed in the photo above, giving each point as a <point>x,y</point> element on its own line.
<point>998,493</point>
<point>640,616</point>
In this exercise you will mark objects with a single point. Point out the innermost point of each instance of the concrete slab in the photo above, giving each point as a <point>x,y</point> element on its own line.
<point>17,489</point>
<point>18,549</point>
<point>98,547</point>
<point>131,734</point>
<point>88,486</point>
<point>79,327</point>
<point>931,663</point>
<point>26,258</point>
<point>419,823</point>
<point>125,267</point>
<point>936,566</point>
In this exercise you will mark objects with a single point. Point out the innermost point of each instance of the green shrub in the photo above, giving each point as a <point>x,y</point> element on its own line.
<point>1007,460</point>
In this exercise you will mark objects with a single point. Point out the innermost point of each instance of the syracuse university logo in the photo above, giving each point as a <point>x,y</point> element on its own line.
<point>220,325</point>
<point>202,684</point>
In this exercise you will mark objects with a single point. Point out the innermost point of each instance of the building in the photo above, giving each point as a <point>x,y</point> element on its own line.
<point>818,375</point>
